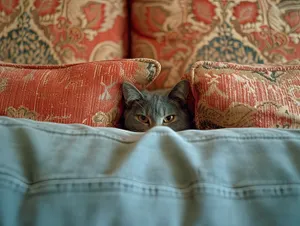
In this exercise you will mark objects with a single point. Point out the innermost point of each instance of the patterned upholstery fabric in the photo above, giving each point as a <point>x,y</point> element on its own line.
<point>86,93</point>
<point>180,32</point>
<point>62,31</point>
<point>231,95</point>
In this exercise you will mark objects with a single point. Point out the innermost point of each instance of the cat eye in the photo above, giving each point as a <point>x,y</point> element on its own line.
<point>169,119</point>
<point>144,119</point>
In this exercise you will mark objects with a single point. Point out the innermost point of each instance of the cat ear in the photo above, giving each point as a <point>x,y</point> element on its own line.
<point>180,92</point>
<point>130,93</point>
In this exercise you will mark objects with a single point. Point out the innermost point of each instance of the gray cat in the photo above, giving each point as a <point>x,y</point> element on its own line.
<point>145,109</point>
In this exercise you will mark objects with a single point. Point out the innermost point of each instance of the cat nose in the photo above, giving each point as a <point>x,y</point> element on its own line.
<point>158,123</point>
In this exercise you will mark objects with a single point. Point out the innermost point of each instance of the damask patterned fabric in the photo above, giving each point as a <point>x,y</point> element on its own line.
<point>181,32</point>
<point>232,95</point>
<point>86,93</point>
<point>62,31</point>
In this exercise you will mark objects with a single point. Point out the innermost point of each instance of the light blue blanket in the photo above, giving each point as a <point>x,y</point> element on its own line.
<point>54,174</point>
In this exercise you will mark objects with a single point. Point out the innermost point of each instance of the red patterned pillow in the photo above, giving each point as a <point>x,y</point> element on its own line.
<point>233,95</point>
<point>63,32</point>
<point>87,93</point>
<point>180,32</point>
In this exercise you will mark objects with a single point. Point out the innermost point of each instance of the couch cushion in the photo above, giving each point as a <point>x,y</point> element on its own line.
<point>55,174</point>
<point>233,95</point>
<point>60,32</point>
<point>179,33</point>
<point>87,93</point>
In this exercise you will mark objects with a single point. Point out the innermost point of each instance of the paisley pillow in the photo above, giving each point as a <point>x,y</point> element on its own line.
<point>63,32</point>
<point>233,95</point>
<point>87,93</point>
<point>178,33</point>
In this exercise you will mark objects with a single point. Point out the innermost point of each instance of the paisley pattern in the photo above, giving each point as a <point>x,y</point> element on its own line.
<point>181,32</point>
<point>24,46</point>
<point>61,32</point>
<point>21,112</point>
<point>232,95</point>
<point>87,93</point>
<point>226,48</point>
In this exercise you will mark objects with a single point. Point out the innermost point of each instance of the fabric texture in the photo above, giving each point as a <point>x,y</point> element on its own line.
<point>88,93</point>
<point>233,95</point>
<point>61,32</point>
<point>180,32</point>
<point>56,174</point>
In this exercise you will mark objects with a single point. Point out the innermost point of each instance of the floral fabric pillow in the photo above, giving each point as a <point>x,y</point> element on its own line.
<point>63,32</point>
<point>87,93</point>
<point>178,33</point>
<point>233,95</point>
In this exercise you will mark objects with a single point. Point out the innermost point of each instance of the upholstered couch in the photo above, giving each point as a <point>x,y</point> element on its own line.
<point>175,32</point>
<point>62,162</point>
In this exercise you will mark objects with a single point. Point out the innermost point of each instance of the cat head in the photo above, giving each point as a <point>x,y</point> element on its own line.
<point>144,109</point>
